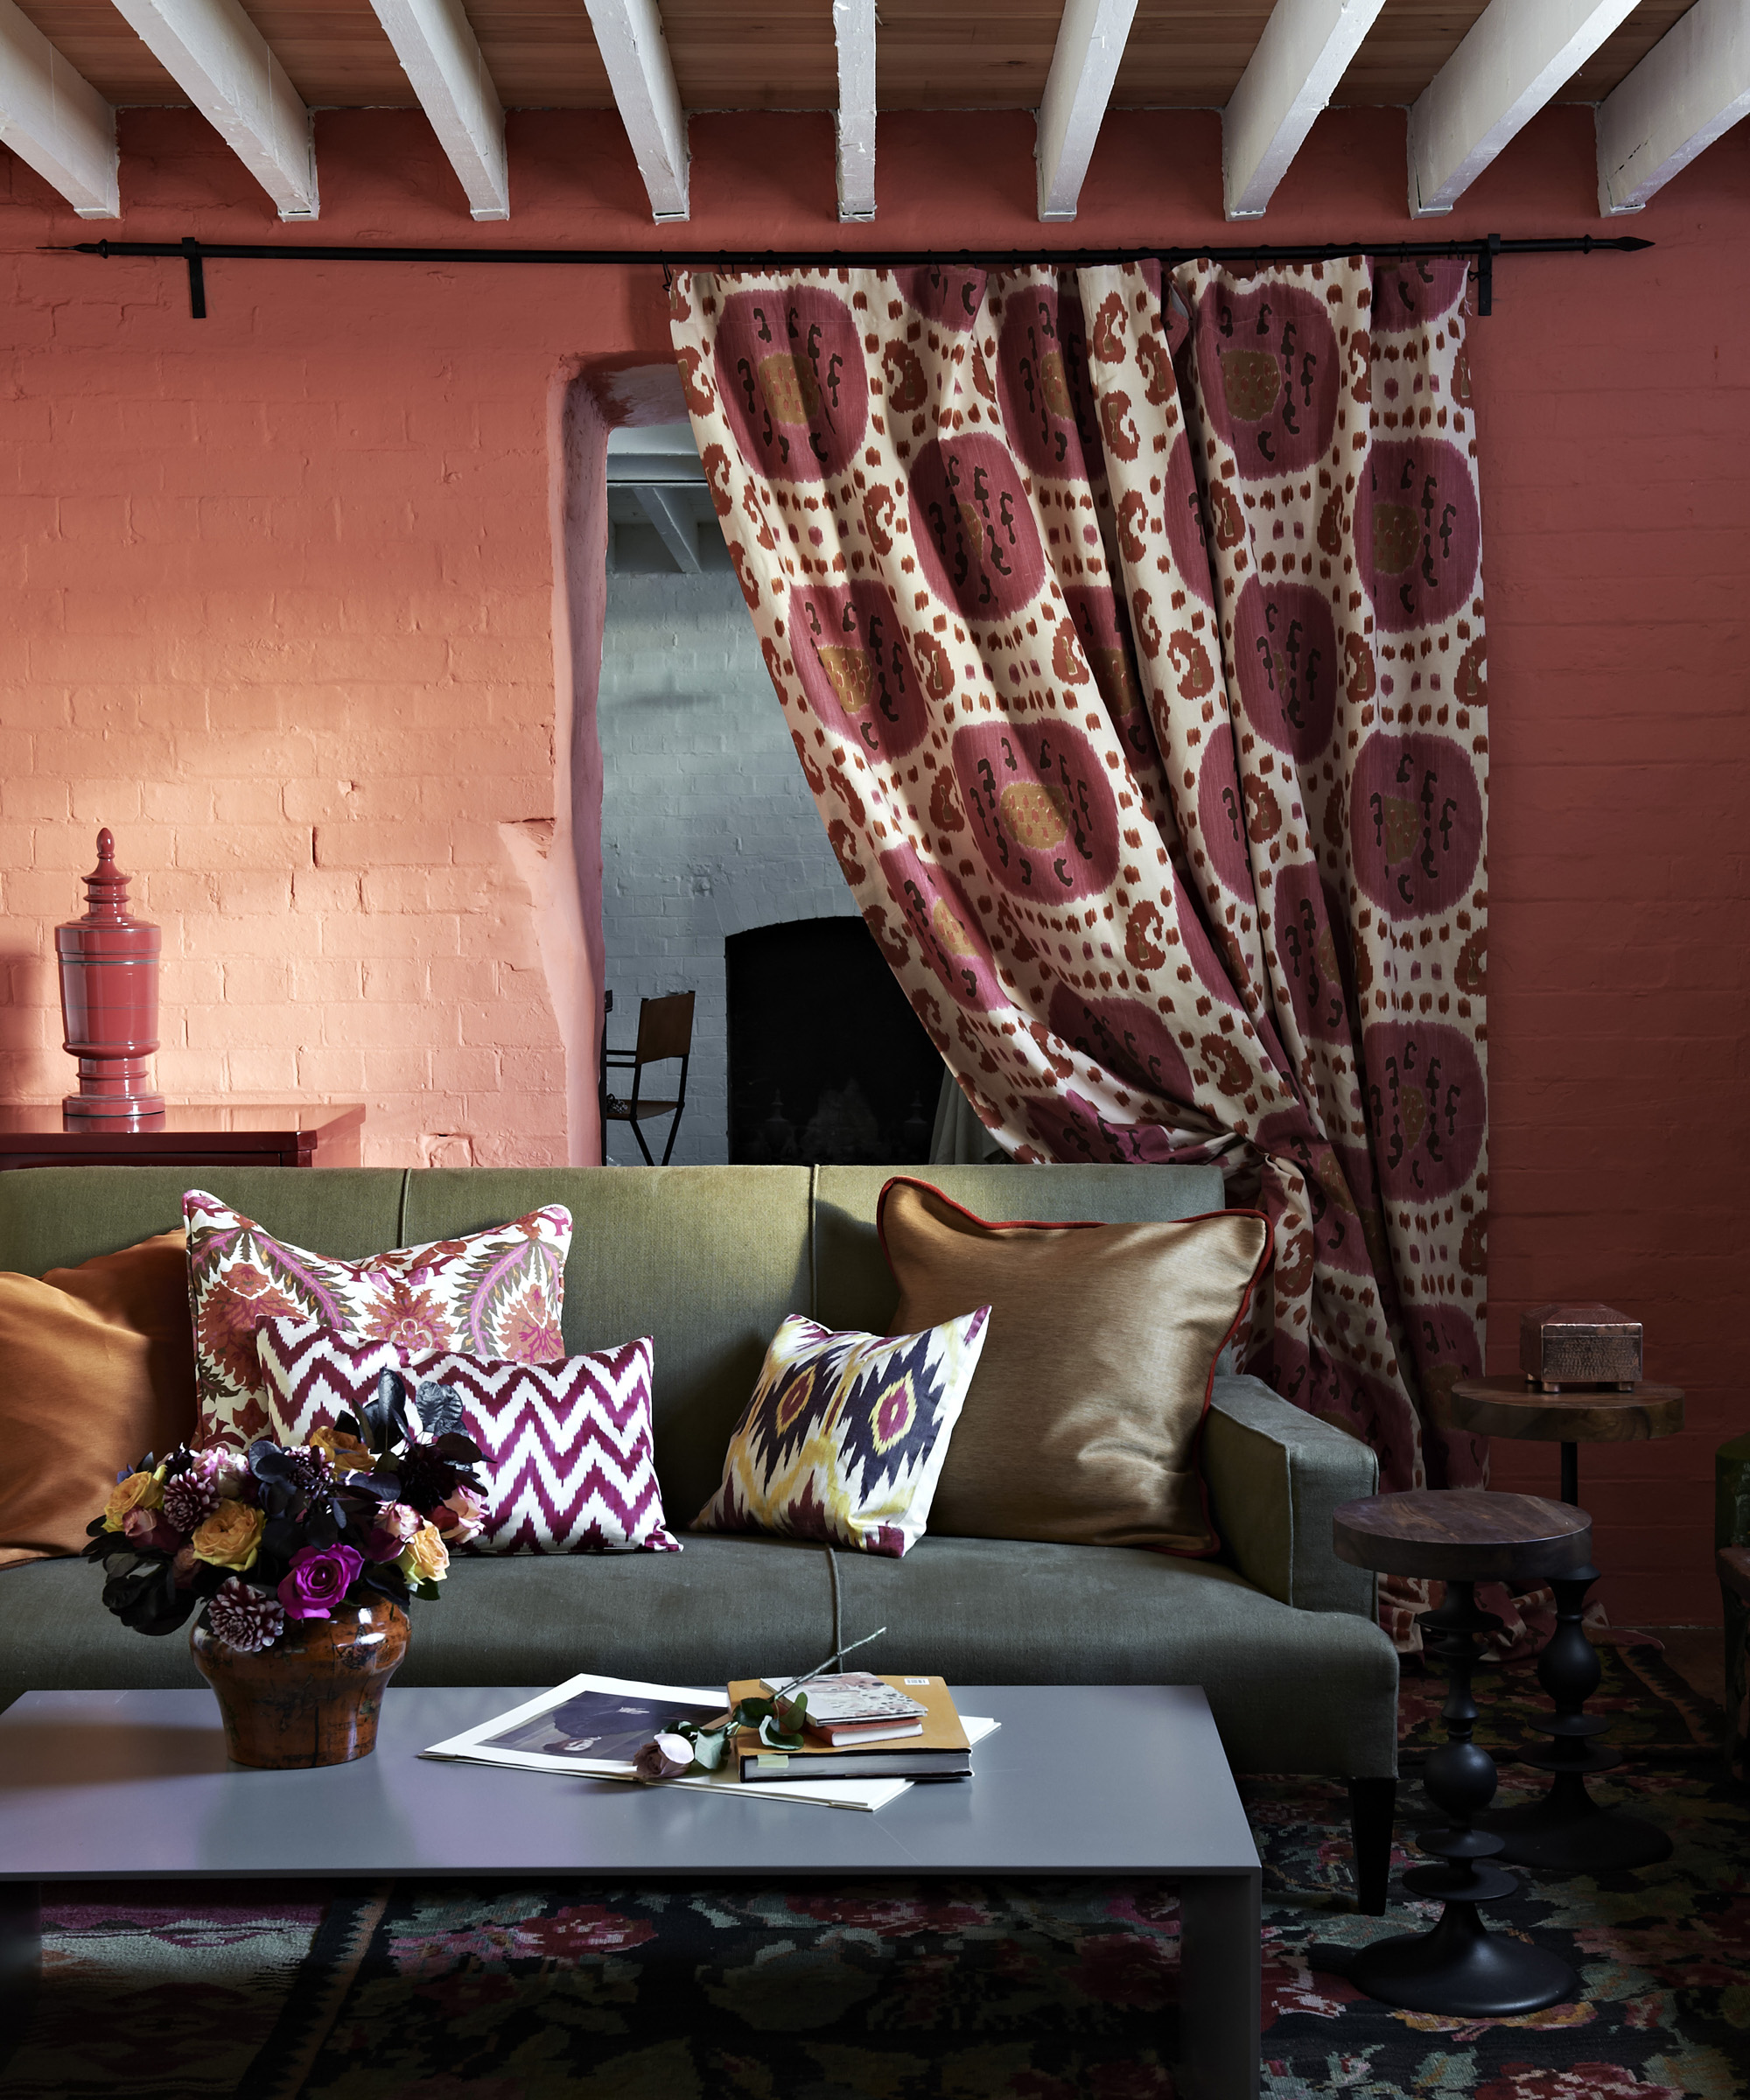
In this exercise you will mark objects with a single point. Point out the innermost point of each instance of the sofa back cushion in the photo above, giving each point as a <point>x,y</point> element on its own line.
<point>705,1260</point>
<point>55,1217</point>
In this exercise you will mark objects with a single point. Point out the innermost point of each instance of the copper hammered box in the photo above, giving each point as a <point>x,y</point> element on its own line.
<point>1562,1346</point>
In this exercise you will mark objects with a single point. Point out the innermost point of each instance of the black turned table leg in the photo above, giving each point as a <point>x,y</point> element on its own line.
<point>1460,1967</point>
<point>1566,1830</point>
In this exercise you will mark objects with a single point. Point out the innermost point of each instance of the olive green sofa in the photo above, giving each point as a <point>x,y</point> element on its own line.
<point>708,1260</point>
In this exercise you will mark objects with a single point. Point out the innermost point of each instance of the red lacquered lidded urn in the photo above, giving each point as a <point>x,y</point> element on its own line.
<point>109,1003</point>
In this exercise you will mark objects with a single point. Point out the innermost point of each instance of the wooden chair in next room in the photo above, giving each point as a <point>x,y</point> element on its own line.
<point>665,1029</point>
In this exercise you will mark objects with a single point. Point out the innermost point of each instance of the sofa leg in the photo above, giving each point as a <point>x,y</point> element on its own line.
<point>1371,1802</point>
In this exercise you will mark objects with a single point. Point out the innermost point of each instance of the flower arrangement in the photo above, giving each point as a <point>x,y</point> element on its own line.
<point>259,1541</point>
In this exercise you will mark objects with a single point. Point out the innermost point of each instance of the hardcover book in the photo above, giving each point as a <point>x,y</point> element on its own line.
<point>941,1749</point>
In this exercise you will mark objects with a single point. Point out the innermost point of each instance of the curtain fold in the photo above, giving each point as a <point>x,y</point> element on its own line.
<point>1130,636</point>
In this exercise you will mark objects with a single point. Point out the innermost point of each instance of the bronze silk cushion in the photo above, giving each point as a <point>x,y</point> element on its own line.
<point>1082,1420</point>
<point>96,1369</point>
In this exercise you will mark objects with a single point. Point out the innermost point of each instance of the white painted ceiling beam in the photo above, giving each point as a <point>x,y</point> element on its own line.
<point>440,55</point>
<point>1514,59</point>
<point>853,28</point>
<point>55,121</point>
<point>674,526</point>
<point>636,51</point>
<point>1290,76</point>
<point>219,59</point>
<point>1090,43</point>
<point>1693,85</point>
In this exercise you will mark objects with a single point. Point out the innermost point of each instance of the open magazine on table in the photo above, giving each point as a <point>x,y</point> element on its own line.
<point>595,1726</point>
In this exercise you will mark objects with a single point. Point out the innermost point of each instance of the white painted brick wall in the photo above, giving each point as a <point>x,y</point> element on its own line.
<point>708,827</point>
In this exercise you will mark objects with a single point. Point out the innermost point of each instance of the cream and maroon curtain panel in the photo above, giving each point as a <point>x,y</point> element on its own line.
<point>1130,635</point>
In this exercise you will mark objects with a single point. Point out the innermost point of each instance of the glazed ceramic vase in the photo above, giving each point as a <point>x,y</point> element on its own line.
<point>109,963</point>
<point>313,1698</point>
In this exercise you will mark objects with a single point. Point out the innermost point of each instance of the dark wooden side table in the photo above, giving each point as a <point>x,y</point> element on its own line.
<point>1461,1535</point>
<point>224,1134</point>
<point>1567,1830</point>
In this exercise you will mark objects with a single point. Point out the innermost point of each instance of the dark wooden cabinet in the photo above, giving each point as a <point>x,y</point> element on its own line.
<point>219,1134</point>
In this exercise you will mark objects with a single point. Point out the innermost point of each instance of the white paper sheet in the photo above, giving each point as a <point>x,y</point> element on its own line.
<point>485,1745</point>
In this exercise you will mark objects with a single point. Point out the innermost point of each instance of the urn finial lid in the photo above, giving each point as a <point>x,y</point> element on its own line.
<point>106,887</point>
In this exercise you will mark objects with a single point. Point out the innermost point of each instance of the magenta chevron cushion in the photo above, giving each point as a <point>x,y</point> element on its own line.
<point>313,1376</point>
<point>568,1466</point>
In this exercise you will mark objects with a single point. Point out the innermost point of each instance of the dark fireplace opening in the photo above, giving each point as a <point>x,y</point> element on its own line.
<point>828,1064</point>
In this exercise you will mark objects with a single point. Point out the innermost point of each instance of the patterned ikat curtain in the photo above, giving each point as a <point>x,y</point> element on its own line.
<point>1132,646</point>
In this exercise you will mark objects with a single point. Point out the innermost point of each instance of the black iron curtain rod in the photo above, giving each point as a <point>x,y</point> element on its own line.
<point>196,254</point>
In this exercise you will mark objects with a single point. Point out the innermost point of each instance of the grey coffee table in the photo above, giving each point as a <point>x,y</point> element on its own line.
<point>1125,1780</point>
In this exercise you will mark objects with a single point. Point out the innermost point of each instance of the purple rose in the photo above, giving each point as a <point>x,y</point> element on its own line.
<point>320,1576</point>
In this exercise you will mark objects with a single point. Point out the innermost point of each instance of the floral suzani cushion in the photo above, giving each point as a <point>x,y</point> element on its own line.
<point>498,1293</point>
<point>844,1438</point>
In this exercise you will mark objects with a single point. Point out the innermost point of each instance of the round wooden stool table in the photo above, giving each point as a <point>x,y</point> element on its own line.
<point>1461,1537</point>
<point>1567,1830</point>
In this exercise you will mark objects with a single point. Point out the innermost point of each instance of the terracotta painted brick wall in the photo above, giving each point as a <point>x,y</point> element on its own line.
<point>281,606</point>
<point>281,614</point>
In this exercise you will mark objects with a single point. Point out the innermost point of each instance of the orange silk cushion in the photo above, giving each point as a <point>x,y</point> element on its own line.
<point>1081,1423</point>
<point>96,1369</point>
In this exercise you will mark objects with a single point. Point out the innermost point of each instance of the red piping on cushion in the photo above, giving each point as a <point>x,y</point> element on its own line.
<point>1265,1258</point>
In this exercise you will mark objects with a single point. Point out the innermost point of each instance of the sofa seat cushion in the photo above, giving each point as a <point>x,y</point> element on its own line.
<point>683,1618</point>
<point>1292,1691</point>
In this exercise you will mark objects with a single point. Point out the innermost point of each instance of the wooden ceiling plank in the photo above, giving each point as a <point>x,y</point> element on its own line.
<point>222,63</point>
<point>635,52</point>
<point>1090,43</point>
<point>1511,63</point>
<point>853,29</point>
<point>1304,51</point>
<point>55,121</point>
<point>440,55</point>
<point>1692,86</point>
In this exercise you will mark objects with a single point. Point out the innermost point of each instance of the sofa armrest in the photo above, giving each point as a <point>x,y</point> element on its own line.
<point>1275,1473</point>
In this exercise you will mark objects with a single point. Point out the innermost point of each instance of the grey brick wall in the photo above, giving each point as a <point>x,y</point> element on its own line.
<point>708,827</point>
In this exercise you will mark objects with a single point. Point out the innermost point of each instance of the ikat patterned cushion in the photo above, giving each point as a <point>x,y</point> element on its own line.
<point>498,1293</point>
<point>844,1438</point>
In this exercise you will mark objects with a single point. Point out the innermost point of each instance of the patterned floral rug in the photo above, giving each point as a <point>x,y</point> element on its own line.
<point>1653,1712</point>
<point>919,1991</point>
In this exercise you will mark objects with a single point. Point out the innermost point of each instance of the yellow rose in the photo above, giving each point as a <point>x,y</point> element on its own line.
<point>427,1558</point>
<point>345,1454</point>
<point>231,1538</point>
<point>138,1491</point>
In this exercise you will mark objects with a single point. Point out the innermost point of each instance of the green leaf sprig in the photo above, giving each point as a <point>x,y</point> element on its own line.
<point>778,1719</point>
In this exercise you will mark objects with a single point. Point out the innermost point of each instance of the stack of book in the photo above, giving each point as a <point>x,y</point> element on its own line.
<point>862,1726</point>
